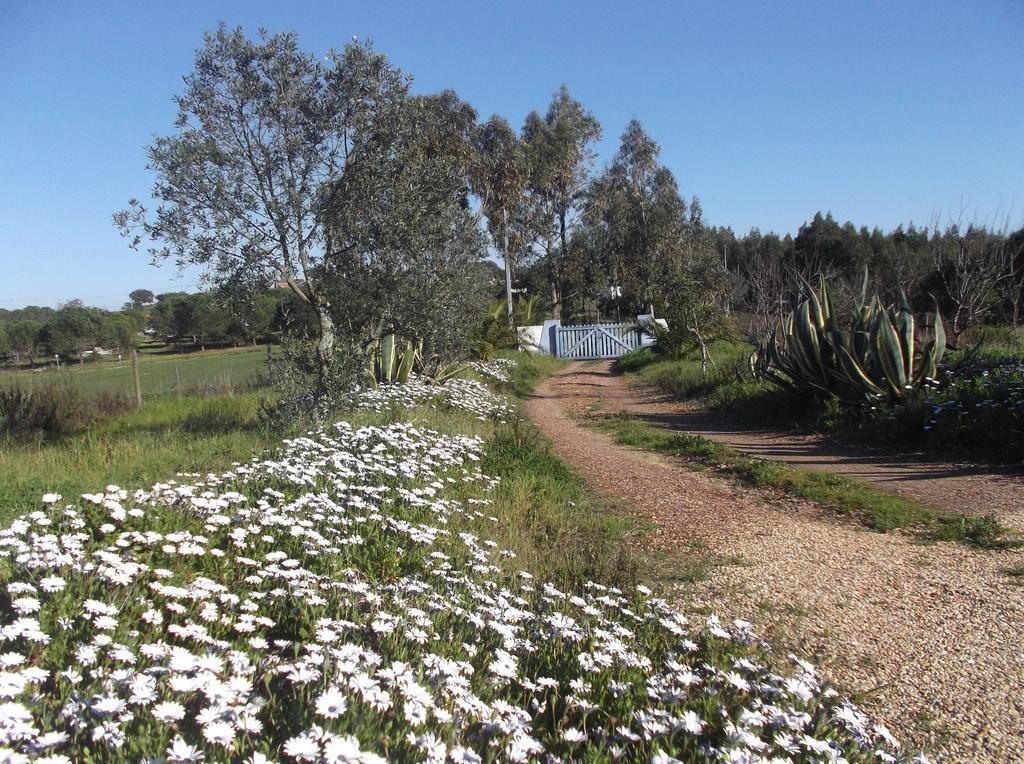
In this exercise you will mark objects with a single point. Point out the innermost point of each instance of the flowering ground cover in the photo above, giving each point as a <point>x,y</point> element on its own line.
<point>341,599</point>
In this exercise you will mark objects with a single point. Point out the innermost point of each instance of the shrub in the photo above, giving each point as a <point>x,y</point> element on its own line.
<point>52,410</point>
<point>978,409</point>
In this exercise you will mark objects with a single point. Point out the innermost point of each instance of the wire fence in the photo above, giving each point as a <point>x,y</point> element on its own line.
<point>208,371</point>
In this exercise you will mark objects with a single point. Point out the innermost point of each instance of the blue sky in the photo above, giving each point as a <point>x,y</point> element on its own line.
<point>880,112</point>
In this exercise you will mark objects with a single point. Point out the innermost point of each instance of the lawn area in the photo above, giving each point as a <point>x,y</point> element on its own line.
<point>160,372</point>
<point>168,435</point>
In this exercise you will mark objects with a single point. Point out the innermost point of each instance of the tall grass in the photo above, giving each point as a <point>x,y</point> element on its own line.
<point>134,448</point>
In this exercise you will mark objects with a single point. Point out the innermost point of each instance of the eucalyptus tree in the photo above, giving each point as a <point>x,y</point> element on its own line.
<point>500,183</point>
<point>644,225</point>
<point>559,147</point>
<point>265,134</point>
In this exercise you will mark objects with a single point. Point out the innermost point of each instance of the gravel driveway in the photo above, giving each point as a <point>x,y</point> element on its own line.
<point>933,636</point>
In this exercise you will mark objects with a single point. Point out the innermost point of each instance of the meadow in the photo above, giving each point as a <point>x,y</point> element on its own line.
<point>161,371</point>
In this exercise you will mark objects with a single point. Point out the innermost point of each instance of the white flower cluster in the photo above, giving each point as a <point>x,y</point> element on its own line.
<point>457,393</point>
<point>497,369</point>
<point>335,603</point>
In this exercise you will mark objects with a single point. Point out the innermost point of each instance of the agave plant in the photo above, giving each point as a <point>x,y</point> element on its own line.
<point>392,360</point>
<point>877,356</point>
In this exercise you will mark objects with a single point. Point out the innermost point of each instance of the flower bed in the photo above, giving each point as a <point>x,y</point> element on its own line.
<point>339,601</point>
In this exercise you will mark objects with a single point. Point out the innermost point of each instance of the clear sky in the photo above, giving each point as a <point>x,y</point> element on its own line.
<point>881,112</point>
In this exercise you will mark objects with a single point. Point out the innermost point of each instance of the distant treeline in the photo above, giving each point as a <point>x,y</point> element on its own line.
<point>975,273</point>
<point>199,319</point>
<point>74,329</point>
<point>925,263</point>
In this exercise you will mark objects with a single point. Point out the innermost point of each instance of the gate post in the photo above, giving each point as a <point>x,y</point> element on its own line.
<point>549,336</point>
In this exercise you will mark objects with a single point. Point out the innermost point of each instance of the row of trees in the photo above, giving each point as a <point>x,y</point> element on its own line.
<point>329,176</point>
<point>973,272</point>
<point>69,332</point>
<point>176,318</point>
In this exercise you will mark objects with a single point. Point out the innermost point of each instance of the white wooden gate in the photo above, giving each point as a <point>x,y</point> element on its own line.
<point>596,341</point>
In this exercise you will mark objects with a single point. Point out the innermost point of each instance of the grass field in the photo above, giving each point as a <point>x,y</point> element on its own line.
<point>135,448</point>
<point>160,373</point>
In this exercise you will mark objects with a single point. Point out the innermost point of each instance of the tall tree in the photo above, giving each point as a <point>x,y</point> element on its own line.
<point>644,222</point>
<point>411,245</point>
<point>560,150</point>
<point>500,182</point>
<point>24,338</point>
<point>265,134</point>
<point>141,297</point>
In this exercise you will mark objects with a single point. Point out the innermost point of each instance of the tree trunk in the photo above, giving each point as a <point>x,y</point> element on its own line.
<point>508,269</point>
<point>324,347</point>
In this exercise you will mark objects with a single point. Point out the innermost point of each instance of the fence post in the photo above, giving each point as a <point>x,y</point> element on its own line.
<point>135,377</point>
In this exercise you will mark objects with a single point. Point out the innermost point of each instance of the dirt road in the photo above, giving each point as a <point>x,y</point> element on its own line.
<point>932,635</point>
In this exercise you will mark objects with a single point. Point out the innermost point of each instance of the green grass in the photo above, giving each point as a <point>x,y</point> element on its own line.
<point>135,449</point>
<point>870,506</point>
<point>530,370</point>
<point>159,373</point>
<point>727,388</point>
<point>548,516</point>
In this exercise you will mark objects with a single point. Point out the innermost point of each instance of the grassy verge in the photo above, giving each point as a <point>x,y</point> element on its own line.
<point>727,388</point>
<point>135,448</point>
<point>870,506</point>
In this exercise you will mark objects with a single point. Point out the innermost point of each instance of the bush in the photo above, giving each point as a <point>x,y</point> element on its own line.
<point>52,411</point>
<point>977,410</point>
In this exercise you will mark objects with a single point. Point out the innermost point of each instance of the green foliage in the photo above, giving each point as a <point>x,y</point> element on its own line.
<point>977,411</point>
<point>493,333</point>
<point>309,389</point>
<point>877,357</point>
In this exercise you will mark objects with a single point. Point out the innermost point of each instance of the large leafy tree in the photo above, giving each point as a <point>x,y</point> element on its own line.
<point>72,330</point>
<point>560,152</point>
<point>642,224</point>
<point>23,336</point>
<point>409,243</point>
<point>141,297</point>
<point>265,136</point>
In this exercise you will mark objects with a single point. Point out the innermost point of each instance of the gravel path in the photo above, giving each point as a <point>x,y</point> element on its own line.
<point>959,487</point>
<point>932,635</point>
